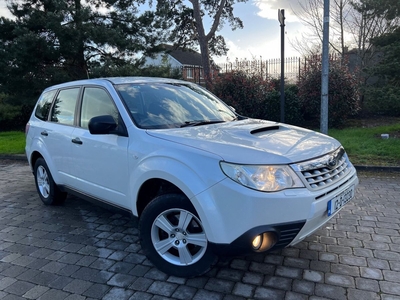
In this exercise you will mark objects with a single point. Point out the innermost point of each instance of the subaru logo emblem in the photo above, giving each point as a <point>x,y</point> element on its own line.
<point>332,162</point>
<point>335,158</point>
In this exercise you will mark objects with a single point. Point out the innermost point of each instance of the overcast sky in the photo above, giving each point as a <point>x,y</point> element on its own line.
<point>260,36</point>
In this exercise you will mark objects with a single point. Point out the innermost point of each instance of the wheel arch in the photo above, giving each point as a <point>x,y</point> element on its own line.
<point>34,157</point>
<point>167,175</point>
<point>152,188</point>
<point>40,152</point>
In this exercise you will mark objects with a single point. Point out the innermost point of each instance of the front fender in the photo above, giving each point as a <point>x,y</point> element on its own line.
<point>180,172</point>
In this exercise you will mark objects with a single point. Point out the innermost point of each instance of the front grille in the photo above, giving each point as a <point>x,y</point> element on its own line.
<point>325,171</point>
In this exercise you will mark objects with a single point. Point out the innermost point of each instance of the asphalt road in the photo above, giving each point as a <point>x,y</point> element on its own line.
<point>82,251</point>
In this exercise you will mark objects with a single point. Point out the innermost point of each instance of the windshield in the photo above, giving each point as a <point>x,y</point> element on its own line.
<point>170,105</point>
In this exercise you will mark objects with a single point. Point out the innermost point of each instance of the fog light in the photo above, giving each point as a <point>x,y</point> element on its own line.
<point>264,241</point>
<point>257,242</point>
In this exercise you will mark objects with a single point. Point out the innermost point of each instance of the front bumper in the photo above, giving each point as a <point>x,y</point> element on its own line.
<point>285,233</point>
<point>233,215</point>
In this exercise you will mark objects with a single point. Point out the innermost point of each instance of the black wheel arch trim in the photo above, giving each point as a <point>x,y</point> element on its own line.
<point>285,233</point>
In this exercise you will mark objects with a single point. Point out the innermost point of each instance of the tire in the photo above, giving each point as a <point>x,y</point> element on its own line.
<point>47,189</point>
<point>173,238</point>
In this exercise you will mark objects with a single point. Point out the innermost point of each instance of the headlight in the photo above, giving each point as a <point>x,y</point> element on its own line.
<point>263,178</point>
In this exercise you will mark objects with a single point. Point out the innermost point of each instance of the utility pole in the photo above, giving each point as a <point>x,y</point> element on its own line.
<point>325,71</point>
<point>281,18</point>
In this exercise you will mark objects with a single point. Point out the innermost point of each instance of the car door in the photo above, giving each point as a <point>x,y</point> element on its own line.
<point>57,133</point>
<point>99,165</point>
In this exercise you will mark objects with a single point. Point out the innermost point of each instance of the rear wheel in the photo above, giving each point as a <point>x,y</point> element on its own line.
<point>48,191</point>
<point>173,237</point>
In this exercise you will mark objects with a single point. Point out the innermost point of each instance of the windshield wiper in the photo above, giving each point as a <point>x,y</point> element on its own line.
<point>200,122</point>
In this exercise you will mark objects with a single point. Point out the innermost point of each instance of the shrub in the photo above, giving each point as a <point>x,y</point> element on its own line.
<point>293,114</point>
<point>13,116</point>
<point>8,112</point>
<point>246,93</point>
<point>383,100</point>
<point>343,92</point>
<point>382,94</point>
<point>255,97</point>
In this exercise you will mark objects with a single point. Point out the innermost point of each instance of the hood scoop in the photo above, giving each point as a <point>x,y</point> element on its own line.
<point>264,129</point>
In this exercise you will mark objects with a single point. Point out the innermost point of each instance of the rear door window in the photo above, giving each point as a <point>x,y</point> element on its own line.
<point>64,106</point>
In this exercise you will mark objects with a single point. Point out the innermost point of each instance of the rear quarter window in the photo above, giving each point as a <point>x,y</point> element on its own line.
<point>44,104</point>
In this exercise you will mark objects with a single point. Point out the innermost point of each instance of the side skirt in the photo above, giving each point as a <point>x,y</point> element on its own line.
<point>99,202</point>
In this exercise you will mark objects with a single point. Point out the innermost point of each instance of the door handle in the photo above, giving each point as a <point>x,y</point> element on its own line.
<point>77,141</point>
<point>44,133</point>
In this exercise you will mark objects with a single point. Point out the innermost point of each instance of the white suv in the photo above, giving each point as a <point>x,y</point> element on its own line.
<point>201,179</point>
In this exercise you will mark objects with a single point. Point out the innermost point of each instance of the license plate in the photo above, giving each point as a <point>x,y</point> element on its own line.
<point>340,200</point>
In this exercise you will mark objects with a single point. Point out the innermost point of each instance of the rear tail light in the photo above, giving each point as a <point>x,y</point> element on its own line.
<point>27,128</point>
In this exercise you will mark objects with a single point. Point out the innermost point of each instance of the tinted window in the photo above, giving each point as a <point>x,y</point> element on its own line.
<point>96,102</point>
<point>44,104</point>
<point>64,106</point>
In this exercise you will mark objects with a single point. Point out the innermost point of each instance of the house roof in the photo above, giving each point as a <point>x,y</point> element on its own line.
<point>185,57</point>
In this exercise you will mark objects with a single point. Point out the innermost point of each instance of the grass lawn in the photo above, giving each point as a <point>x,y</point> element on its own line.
<point>364,145</point>
<point>12,142</point>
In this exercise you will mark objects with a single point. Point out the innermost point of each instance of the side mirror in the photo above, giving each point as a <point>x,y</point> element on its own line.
<point>102,125</point>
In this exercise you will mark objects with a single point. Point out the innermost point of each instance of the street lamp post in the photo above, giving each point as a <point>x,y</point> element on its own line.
<point>325,71</point>
<point>281,18</point>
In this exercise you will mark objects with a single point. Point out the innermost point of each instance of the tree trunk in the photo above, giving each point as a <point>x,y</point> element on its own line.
<point>203,42</point>
<point>205,60</point>
<point>79,66</point>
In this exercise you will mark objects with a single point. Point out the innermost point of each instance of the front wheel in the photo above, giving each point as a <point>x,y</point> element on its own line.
<point>173,237</point>
<point>48,190</point>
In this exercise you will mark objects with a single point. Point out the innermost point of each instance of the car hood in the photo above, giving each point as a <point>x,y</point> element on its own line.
<point>252,141</point>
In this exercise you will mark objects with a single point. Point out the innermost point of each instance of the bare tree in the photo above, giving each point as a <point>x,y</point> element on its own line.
<point>311,14</point>
<point>340,14</point>
<point>354,23</point>
<point>364,24</point>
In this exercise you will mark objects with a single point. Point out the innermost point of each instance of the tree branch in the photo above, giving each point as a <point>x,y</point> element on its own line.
<point>216,20</point>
